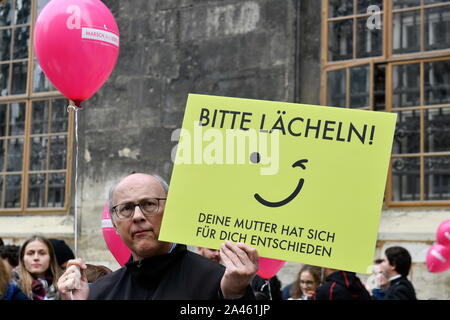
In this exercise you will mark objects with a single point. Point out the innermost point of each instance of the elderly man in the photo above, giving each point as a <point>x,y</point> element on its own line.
<point>157,269</point>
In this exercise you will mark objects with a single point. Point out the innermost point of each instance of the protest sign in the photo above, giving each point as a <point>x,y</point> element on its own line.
<point>298,182</point>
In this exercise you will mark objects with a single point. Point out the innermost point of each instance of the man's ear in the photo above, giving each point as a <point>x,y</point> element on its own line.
<point>394,268</point>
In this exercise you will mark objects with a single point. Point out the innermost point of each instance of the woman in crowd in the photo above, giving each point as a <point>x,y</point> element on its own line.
<point>38,269</point>
<point>308,280</point>
<point>8,289</point>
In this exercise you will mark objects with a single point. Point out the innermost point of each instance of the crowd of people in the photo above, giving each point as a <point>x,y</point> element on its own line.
<point>31,271</point>
<point>46,269</point>
<point>388,281</point>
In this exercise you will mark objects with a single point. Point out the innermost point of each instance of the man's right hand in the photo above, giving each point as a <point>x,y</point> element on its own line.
<point>73,284</point>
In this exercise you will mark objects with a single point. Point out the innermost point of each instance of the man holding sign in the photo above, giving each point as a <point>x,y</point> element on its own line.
<point>158,269</point>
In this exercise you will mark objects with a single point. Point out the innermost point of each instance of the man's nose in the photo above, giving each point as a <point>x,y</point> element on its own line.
<point>138,215</point>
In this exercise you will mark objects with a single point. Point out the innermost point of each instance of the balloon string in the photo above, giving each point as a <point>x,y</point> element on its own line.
<point>75,109</point>
<point>267,283</point>
<point>76,183</point>
<point>75,227</point>
<point>268,287</point>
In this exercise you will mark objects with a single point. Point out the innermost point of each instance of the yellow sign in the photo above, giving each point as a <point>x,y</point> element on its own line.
<point>300,183</point>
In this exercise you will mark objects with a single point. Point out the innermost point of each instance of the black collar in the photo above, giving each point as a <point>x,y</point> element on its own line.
<point>151,269</point>
<point>396,280</point>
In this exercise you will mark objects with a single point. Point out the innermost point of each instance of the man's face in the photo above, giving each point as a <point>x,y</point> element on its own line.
<point>139,232</point>
<point>211,254</point>
<point>387,270</point>
<point>380,276</point>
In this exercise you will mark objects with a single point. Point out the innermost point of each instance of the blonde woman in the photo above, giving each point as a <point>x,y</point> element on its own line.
<point>38,269</point>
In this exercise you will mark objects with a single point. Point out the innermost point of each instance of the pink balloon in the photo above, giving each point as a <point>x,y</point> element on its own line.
<point>438,258</point>
<point>269,267</point>
<point>113,241</point>
<point>77,44</point>
<point>443,233</point>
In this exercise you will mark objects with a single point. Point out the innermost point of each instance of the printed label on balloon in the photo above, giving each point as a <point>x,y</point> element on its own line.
<point>100,35</point>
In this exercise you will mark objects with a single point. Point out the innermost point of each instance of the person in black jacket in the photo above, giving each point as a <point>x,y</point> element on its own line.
<point>157,269</point>
<point>266,289</point>
<point>341,285</point>
<point>9,290</point>
<point>396,267</point>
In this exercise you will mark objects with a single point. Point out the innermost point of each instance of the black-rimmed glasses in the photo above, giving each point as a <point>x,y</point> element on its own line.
<point>148,207</point>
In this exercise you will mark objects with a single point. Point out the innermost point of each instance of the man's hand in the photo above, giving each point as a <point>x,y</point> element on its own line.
<point>73,284</point>
<point>241,263</point>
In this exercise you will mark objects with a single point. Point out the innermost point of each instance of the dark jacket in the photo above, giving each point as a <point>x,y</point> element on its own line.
<point>400,289</point>
<point>179,275</point>
<point>261,288</point>
<point>13,292</point>
<point>342,285</point>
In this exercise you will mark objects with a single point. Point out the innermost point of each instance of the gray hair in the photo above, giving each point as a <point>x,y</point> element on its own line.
<point>161,181</point>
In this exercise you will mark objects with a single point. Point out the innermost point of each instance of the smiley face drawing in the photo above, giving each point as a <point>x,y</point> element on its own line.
<point>275,204</point>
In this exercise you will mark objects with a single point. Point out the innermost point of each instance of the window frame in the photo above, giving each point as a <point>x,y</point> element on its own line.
<point>347,67</point>
<point>421,154</point>
<point>28,98</point>
<point>354,17</point>
<point>390,60</point>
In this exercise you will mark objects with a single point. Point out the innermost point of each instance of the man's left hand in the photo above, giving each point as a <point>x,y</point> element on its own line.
<point>241,263</point>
